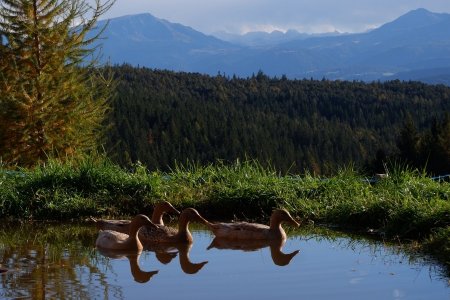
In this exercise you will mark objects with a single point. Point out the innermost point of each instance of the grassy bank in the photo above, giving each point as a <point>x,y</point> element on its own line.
<point>405,205</point>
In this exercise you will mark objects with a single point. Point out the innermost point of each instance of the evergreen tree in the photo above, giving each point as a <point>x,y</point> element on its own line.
<point>52,102</point>
<point>408,142</point>
<point>436,147</point>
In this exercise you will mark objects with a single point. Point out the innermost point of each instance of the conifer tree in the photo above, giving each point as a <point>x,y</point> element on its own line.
<point>408,142</point>
<point>52,100</point>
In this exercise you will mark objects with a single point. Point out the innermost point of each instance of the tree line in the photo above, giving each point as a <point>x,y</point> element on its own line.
<point>56,102</point>
<point>161,117</point>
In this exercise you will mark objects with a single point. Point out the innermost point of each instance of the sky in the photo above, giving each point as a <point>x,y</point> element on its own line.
<point>309,16</point>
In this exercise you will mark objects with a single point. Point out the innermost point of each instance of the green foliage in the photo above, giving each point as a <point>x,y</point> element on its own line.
<point>439,244</point>
<point>160,117</point>
<point>429,149</point>
<point>76,188</point>
<point>52,103</point>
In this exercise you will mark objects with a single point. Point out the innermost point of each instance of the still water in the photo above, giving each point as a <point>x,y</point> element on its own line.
<point>54,261</point>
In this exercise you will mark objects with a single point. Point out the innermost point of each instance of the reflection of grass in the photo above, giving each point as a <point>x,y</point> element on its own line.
<point>46,257</point>
<point>52,237</point>
<point>407,204</point>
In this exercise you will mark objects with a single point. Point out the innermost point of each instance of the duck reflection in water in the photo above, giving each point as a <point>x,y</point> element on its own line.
<point>133,258</point>
<point>279,258</point>
<point>166,252</point>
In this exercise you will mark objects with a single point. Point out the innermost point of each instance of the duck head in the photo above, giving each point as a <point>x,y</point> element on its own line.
<point>139,221</point>
<point>188,215</point>
<point>160,209</point>
<point>282,215</point>
<point>167,207</point>
<point>191,215</point>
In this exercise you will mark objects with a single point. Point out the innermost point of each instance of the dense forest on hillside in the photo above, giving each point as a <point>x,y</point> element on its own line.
<point>163,117</point>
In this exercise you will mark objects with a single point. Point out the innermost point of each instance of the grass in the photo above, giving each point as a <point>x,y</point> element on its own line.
<point>407,205</point>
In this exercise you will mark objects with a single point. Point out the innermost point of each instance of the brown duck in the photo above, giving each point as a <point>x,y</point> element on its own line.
<point>113,240</point>
<point>254,231</point>
<point>123,225</point>
<point>164,234</point>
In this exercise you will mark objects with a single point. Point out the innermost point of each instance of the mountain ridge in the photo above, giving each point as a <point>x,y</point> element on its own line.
<point>417,40</point>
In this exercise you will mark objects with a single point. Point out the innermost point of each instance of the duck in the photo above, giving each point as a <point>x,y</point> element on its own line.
<point>123,225</point>
<point>114,240</point>
<point>254,231</point>
<point>160,209</point>
<point>279,258</point>
<point>165,234</point>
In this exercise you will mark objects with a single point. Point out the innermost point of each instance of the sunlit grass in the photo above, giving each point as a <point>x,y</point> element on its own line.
<point>406,204</point>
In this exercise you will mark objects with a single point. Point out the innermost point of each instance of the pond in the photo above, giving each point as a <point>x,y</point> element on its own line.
<point>58,261</point>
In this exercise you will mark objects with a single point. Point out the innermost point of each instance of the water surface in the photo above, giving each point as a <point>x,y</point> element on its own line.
<point>52,261</point>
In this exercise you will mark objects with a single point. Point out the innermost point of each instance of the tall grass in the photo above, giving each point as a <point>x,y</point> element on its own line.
<point>74,189</point>
<point>406,204</point>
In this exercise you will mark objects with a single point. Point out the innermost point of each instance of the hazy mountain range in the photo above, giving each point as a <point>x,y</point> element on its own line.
<point>415,46</point>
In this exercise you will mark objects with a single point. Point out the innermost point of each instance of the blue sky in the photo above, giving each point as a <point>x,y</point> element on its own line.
<point>311,16</point>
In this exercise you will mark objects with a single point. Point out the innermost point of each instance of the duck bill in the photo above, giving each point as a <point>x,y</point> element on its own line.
<point>294,223</point>
<point>151,224</point>
<point>175,211</point>
<point>202,220</point>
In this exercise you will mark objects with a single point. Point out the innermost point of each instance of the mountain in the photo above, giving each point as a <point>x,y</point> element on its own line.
<point>415,42</point>
<point>149,41</point>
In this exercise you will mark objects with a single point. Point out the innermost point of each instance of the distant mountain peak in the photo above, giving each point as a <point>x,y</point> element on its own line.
<point>419,12</point>
<point>417,40</point>
<point>417,18</point>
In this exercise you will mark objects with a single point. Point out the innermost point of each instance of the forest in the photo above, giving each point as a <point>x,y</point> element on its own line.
<point>162,118</point>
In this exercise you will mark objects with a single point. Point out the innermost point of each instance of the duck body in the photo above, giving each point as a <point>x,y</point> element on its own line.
<point>241,231</point>
<point>254,231</point>
<point>123,226</point>
<point>160,234</point>
<point>113,240</point>
<point>164,234</point>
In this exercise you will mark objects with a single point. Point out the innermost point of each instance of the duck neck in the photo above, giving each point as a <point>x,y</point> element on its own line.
<point>133,238</point>
<point>183,229</point>
<point>157,216</point>
<point>275,227</point>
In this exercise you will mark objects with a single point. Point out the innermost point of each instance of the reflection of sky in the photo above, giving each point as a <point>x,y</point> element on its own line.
<point>322,270</point>
<point>238,16</point>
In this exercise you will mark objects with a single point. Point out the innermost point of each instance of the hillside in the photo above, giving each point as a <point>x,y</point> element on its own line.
<point>161,117</point>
